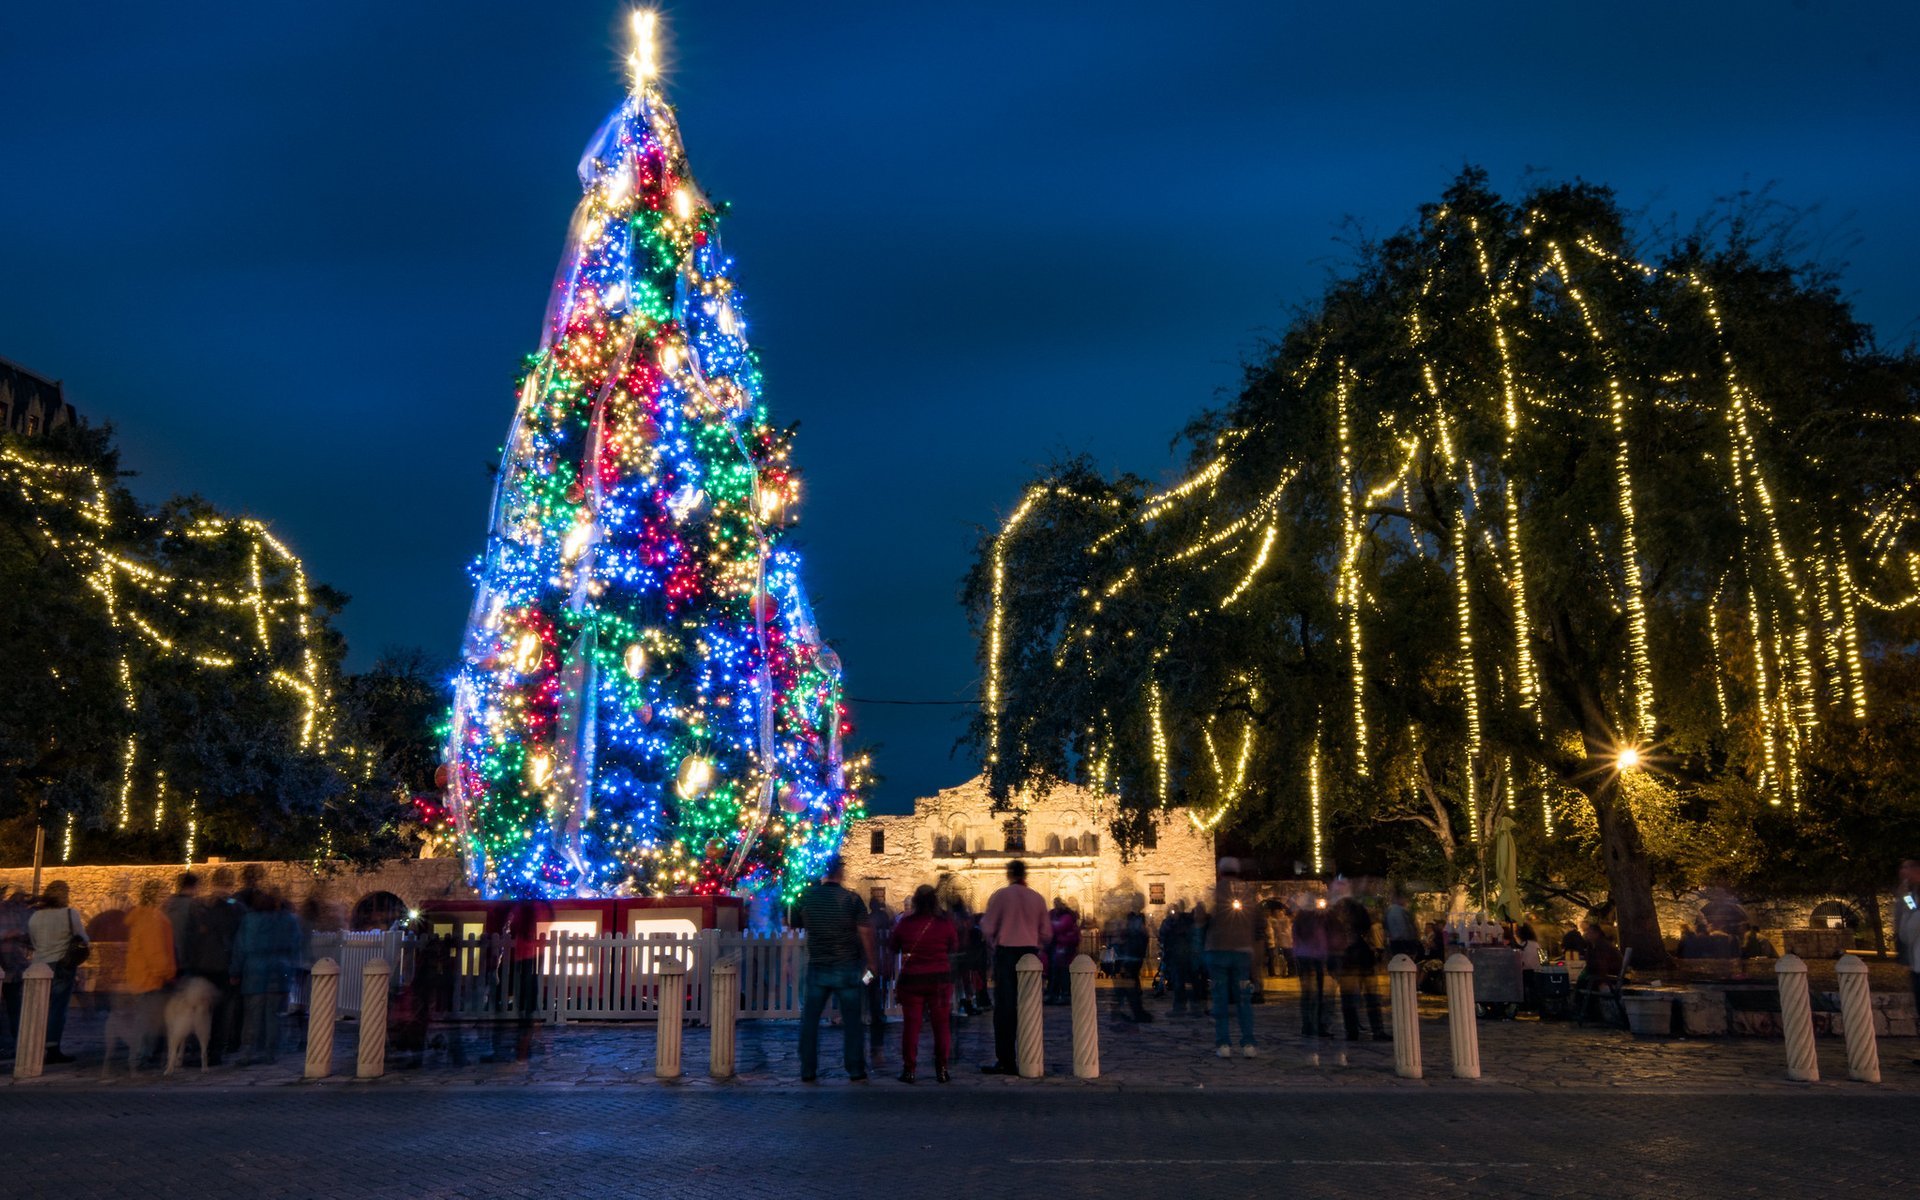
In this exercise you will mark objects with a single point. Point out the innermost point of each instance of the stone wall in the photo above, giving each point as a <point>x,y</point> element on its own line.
<point>104,894</point>
<point>955,839</point>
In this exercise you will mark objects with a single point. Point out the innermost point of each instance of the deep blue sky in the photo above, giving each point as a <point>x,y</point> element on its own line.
<point>296,251</point>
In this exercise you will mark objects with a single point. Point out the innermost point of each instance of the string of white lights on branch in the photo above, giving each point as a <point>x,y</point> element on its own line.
<point>264,624</point>
<point>1788,602</point>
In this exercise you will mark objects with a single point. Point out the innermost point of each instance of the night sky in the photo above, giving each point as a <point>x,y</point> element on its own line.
<point>295,252</point>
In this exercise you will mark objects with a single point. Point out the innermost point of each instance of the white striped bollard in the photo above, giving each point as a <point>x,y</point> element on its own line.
<point>723,1003</point>
<point>1403,978</point>
<point>1856,1009</point>
<point>1086,1019</point>
<point>1796,1019</point>
<point>1461,1027</point>
<point>673,1015</point>
<point>1029,1045</point>
<point>323,1003</point>
<point>373,1019</point>
<point>30,1042</point>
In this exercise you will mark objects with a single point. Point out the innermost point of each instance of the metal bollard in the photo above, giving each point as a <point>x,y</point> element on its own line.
<point>1403,979</point>
<point>1086,1019</point>
<point>1028,1053</point>
<point>322,1005</point>
<point>1464,1033</point>
<point>1856,1009</point>
<point>373,1020</point>
<point>673,1009</point>
<point>1796,1019</point>
<point>723,1003</point>
<point>30,1041</point>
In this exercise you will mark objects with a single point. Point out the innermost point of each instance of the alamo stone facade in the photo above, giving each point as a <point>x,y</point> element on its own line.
<point>956,840</point>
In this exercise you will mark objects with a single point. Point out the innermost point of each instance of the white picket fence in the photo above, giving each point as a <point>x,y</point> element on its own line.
<point>613,977</point>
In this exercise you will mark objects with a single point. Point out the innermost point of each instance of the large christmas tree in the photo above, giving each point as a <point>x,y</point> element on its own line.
<point>645,704</point>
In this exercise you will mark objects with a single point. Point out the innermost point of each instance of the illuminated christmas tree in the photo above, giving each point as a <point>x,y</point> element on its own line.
<point>645,704</point>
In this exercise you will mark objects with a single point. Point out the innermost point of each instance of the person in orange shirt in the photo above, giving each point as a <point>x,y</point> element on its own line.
<point>150,968</point>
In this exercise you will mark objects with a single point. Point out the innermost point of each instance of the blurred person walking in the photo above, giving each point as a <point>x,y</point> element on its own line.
<point>1176,958</point>
<point>926,941</point>
<point>839,951</point>
<point>179,909</point>
<point>880,986</point>
<point>59,939</point>
<point>1016,925</point>
<point>1906,924</point>
<point>1066,944</point>
<point>1310,963</point>
<point>151,967</point>
<point>1350,938</point>
<point>1236,939</point>
<point>1403,932</point>
<point>16,951</point>
<point>1129,956</point>
<point>261,968</point>
<point>520,982</point>
<point>215,925</point>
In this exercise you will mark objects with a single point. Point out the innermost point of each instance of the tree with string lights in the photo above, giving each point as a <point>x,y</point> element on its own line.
<point>645,703</point>
<point>172,694</point>
<point>1519,523</point>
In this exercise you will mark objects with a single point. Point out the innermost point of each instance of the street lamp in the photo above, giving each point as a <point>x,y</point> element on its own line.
<point>1627,759</point>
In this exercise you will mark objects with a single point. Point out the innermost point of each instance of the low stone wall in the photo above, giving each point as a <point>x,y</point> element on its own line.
<point>103,895</point>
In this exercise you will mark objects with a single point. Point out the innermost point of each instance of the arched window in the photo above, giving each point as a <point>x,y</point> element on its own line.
<point>1071,845</point>
<point>959,843</point>
<point>1053,843</point>
<point>941,845</point>
<point>1092,844</point>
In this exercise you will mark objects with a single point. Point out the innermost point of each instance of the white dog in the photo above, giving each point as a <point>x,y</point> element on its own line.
<point>190,1011</point>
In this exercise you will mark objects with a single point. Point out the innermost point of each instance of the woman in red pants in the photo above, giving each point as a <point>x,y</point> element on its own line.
<point>925,940</point>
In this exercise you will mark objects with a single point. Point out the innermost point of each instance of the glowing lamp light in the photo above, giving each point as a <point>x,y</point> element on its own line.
<point>682,203</point>
<point>1627,760</point>
<point>541,770</point>
<point>527,657</point>
<point>636,660</point>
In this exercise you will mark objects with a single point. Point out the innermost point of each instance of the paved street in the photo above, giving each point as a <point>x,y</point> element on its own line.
<point>1562,1110</point>
<point>742,1142</point>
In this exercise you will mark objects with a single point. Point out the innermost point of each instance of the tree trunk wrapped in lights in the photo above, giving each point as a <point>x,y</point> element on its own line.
<point>1508,514</point>
<point>645,705</point>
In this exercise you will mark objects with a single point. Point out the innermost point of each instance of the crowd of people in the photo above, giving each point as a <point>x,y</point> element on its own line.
<point>939,961</point>
<point>246,943</point>
<point>942,962</point>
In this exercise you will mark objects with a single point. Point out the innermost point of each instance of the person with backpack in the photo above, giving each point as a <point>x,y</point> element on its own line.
<point>59,939</point>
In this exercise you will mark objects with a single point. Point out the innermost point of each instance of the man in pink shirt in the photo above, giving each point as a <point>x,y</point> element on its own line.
<point>1016,924</point>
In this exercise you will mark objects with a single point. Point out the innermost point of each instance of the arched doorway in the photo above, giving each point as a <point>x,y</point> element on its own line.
<point>376,910</point>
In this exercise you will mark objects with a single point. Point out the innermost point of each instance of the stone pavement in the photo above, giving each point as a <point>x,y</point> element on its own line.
<point>1170,1054</point>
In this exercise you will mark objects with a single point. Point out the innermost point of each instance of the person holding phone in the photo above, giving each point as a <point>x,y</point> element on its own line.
<point>840,963</point>
<point>1906,923</point>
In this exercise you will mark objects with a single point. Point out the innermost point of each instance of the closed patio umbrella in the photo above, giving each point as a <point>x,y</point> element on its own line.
<point>1506,869</point>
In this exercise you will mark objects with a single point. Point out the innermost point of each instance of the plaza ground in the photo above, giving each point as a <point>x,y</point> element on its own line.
<point>1561,1110</point>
